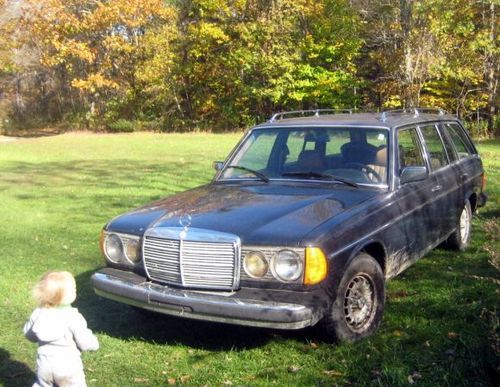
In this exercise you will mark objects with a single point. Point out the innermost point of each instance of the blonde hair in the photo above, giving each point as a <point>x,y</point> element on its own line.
<point>55,288</point>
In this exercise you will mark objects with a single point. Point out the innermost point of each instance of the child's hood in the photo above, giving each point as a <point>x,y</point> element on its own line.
<point>49,324</point>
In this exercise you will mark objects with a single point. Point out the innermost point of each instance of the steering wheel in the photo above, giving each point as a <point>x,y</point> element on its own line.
<point>369,172</point>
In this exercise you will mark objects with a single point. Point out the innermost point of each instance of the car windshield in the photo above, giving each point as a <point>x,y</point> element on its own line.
<point>350,154</point>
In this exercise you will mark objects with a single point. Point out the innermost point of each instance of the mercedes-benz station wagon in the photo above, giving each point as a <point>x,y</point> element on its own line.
<point>302,224</point>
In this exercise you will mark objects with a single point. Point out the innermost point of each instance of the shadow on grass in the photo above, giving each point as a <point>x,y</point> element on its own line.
<point>489,213</point>
<point>125,322</point>
<point>13,372</point>
<point>448,314</point>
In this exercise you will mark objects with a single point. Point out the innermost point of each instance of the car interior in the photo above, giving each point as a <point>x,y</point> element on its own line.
<point>355,154</point>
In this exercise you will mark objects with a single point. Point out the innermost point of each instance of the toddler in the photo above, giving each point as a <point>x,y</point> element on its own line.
<point>60,331</point>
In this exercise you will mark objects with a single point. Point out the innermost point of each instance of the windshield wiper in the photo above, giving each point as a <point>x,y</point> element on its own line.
<point>256,173</point>
<point>320,175</point>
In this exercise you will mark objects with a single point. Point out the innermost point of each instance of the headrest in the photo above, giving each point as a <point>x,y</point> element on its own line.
<point>311,159</point>
<point>381,157</point>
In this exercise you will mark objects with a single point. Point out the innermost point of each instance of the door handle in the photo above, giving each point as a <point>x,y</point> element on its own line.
<point>436,188</point>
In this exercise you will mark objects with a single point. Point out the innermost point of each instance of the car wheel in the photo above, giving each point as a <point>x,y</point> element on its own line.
<point>460,238</point>
<point>359,301</point>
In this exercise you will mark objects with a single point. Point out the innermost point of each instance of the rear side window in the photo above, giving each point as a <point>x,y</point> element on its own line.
<point>450,149</point>
<point>410,154</point>
<point>435,147</point>
<point>459,139</point>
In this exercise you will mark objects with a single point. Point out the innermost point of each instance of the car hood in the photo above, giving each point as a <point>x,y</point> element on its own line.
<point>258,213</point>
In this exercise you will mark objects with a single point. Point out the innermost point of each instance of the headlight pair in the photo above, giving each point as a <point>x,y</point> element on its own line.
<point>121,248</point>
<point>287,265</point>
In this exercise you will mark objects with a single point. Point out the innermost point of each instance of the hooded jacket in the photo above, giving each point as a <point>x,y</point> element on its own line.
<point>60,331</point>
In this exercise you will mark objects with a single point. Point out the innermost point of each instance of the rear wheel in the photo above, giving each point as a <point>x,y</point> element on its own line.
<point>460,238</point>
<point>359,301</point>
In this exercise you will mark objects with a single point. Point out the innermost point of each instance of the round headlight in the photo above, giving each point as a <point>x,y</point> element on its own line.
<point>113,248</point>
<point>287,265</point>
<point>132,250</point>
<point>255,264</point>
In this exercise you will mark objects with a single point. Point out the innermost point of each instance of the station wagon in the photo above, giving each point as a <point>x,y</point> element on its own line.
<point>302,224</point>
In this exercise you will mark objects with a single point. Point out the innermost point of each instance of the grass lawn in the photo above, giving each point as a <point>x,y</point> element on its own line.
<point>441,321</point>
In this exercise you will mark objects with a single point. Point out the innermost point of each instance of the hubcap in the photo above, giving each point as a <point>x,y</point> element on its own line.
<point>464,225</point>
<point>359,301</point>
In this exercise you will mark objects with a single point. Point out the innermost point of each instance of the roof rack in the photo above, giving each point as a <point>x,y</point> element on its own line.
<point>411,111</point>
<point>314,112</point>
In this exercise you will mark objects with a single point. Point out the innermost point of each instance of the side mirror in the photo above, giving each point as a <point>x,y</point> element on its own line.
<point>411,174</point>
<point>217,165</point>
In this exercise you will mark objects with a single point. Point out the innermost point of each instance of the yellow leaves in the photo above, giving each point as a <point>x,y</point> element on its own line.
<point>93,83</point>
<point>129,13</point>
<point>118,44</point>
<point>208,33</point>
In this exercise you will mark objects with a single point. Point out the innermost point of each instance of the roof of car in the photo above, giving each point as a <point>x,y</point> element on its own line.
<point>388,119</point>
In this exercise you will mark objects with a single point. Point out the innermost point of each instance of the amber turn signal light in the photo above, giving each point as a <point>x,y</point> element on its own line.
<point>316,266</point>
<point>101,242</point>
<point>483,181</point>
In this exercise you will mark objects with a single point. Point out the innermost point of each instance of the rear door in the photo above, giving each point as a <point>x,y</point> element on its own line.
<point>445,195</point>
<point>467,165</point>
<point>415,199</point>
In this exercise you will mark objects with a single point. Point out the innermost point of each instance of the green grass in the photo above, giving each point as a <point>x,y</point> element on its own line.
<point>440,326</point>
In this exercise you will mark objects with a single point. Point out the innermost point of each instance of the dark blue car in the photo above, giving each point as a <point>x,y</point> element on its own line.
<point>302,224</point>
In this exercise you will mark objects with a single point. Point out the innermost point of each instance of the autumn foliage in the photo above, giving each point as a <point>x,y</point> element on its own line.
<point>223,64</point>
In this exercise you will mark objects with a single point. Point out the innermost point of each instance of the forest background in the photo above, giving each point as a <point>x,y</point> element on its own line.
<point>221,65</point>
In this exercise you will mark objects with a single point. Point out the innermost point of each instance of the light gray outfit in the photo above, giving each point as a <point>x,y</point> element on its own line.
<point>61,333</point>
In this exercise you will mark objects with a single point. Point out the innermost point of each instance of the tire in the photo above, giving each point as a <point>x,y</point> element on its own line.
<point>460,238</point>
<point>359,301</point>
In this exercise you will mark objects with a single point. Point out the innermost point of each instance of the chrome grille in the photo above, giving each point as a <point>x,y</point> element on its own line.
<point>161,257</point>
<point>201,259</point>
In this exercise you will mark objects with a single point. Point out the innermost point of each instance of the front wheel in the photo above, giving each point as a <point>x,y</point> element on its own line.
<point>460,238</point>
<point>359,301</point>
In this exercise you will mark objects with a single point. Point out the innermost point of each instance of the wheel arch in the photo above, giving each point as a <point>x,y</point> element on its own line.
<point>472,198</point>
<point>373,248</point>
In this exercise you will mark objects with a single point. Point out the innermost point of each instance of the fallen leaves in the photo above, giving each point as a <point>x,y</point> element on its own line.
<point>414,377</point>
<point>183,379</point>
<point>453,335</point>
<point>333,373</point>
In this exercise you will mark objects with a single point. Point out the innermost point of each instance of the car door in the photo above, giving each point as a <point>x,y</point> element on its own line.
<point>414,198</point>
<point>467,165</point>
<point>444,183</point>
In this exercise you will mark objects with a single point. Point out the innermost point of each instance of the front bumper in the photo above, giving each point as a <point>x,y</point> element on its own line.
<point>253,307</point>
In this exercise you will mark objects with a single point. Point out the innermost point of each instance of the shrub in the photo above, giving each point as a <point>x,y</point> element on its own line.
<point>121,126</point>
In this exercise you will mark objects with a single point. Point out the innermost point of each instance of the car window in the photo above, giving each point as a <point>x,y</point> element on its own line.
<point>295,144</point>
<point>435,147</point>
<point>409,150</point>
<point>256,151</point>
<point>459,140</point>
<point>337,139</point>
<point>356,154</point>
<point>448,146</point>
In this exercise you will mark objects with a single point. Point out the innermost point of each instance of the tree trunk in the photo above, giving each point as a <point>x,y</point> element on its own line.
<point>405,12</point>
<point>492,64</point>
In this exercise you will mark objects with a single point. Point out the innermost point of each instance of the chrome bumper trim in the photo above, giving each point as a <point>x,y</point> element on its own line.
<point>134,290</point>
